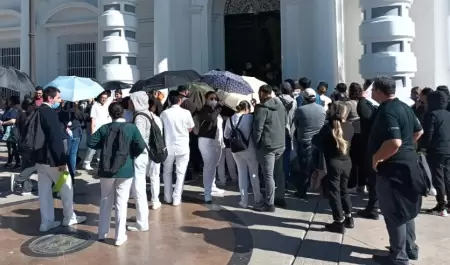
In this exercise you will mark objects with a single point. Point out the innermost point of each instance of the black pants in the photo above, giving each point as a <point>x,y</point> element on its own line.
<point>12,153</point>
<point>357,151</point>
<point>402,233</point>
<point>195,158</point>
<point>372,204</point>
<point>440,172</point>
<point>338,173</point>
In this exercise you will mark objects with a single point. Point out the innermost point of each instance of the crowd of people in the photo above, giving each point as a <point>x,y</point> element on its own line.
<point>342,143</point>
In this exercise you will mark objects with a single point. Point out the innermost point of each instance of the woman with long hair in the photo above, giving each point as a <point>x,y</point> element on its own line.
<point>333,141</point>
<point>210,141</point>
<point>246,162</point>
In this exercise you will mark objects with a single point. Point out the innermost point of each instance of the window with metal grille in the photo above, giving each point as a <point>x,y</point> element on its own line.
<point>81,59</point>
<point>10,57</point>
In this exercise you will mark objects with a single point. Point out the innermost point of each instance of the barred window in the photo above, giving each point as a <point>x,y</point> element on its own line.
<point>81,59</point>
<point>10,57</point>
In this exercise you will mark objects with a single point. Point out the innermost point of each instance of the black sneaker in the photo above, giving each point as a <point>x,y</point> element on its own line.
<point>349,222</point>
<point>8,165</point>
<point>17,166</point>
<point>281,203</point>
<point>383,260</point>
<point>335,227</point>
<point>302,196</point>
<point>262,207</point>
<point>369,214</point>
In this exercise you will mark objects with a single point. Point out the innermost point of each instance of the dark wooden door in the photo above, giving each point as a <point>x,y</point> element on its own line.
<point>251,38</point>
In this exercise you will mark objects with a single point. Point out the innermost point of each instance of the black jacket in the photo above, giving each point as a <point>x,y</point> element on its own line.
<point>207,117</point>
<point>53,152</point>
<point>436,126</point>
<point>366,112</point>
<point>77,118</point>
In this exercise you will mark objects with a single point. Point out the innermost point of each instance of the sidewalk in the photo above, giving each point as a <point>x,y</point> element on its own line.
<point>291,236</point>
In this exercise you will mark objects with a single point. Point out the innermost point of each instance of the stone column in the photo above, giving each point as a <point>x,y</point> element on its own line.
<point>24,38</point>
<point>117,46</point>
<point>163,46</point>
<point>386,33</point>
<point>328,42</point>
<point>291,47</point>
<point>201,19</point>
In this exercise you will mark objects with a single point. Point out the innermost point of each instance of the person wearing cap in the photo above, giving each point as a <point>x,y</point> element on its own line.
<point>308,121</point>
<point>177,123</point>
<point>269,125</point>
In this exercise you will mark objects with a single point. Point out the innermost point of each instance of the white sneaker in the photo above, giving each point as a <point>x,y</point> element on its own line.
<point>217,192</point>
<point>136,229</point>
<point>26,193</point>
<point>122,241</point>
<point>78,220</point>
<point>243,205</point>
<point>156,205</point>
<point>176,203</point>
<point>45,228</point>
<point>87,166</point>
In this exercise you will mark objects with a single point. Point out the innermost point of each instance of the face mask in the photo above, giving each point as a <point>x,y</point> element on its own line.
<point>211,103</point>
<point>56,105</point>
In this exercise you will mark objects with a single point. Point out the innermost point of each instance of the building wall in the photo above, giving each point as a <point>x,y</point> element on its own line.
<point>145,38</point>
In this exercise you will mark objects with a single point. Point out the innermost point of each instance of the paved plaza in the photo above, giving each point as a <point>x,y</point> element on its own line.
<point>198,234</point>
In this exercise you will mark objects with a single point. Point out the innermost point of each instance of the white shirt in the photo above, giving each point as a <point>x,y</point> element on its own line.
<point>245,127</point>
<point>177,122</point>
<point>101,115</point>
<point>326,100</point>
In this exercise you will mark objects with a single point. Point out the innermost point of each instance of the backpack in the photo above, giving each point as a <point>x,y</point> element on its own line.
<point>116,149</point>
<point>287,105</point>
<point>33,137</point>
<point>157,150</point>
<point>238,142</point>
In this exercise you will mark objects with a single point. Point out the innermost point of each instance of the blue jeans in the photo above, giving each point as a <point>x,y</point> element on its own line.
<point>72,151</point>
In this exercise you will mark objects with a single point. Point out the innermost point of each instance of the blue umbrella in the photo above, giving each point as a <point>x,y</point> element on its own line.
<point>75,88</point>
<point>227,82</point>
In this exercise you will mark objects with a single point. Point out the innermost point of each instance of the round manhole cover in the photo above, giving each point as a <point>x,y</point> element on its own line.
<point>58,244</point>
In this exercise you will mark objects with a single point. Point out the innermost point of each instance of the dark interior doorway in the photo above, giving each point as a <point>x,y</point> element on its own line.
<point>254,38</point>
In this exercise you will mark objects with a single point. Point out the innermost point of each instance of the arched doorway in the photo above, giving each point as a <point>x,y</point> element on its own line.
<point>252,34</point>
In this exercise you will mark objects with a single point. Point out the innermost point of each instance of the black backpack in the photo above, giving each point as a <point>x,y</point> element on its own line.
<point>116,150</point>
<point>32,138</point>
<point>157,150</point>
<point>238,142</point>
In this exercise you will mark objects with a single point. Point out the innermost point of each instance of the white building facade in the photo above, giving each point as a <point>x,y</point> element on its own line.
<point>326,40</point>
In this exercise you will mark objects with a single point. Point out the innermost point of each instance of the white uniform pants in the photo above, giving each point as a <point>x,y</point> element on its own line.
<point>46,177</point>
<point>181,164</point>
<point>247,165</point>
<point>117,192</point>
<point>154,173</point>
<point>90,153</point>
<point>139,189</point>
<point>211,152</point>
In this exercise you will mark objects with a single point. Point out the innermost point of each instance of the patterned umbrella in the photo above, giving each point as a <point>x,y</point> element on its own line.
<point>167,79</point>
<point>227,82</point>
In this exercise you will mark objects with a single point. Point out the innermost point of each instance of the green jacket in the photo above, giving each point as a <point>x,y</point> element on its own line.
<point>134,139</point>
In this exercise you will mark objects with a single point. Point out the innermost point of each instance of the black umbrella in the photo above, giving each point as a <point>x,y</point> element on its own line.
<point>167,79</point>
<point>115,85</point>
<point>16,80</point>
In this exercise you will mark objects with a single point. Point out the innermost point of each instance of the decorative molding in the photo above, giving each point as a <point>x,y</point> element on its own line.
<point>68,24</point>
<point>83,5</point>
<point>10,12</point>
<point>9,29</point>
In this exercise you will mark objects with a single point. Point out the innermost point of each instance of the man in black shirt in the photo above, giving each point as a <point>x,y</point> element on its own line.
<point>394,159</point>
